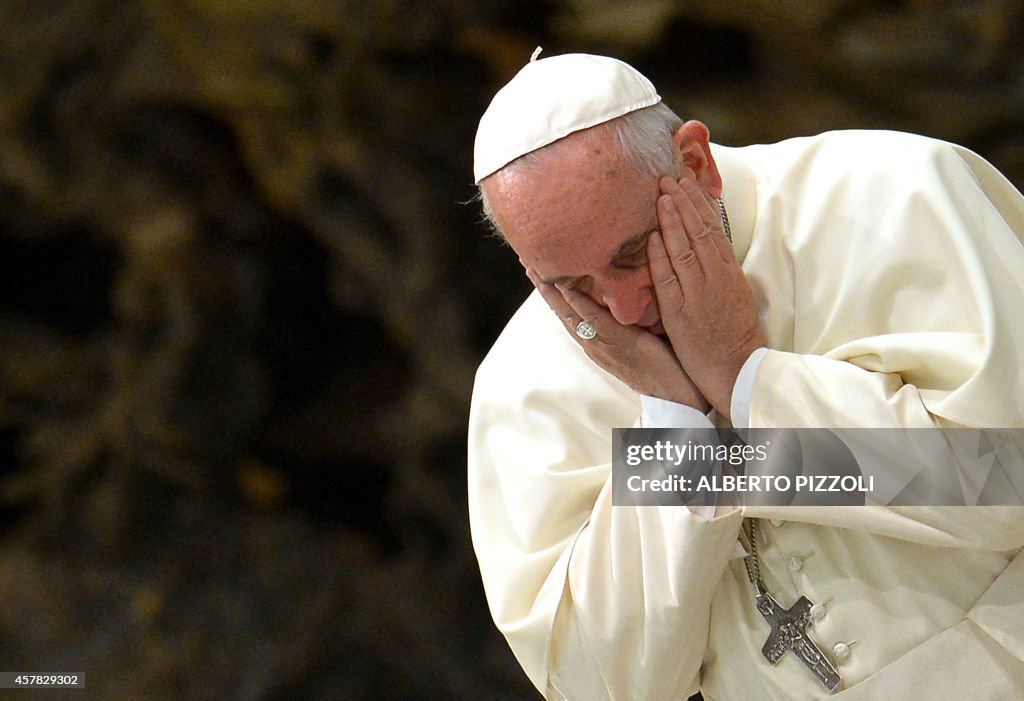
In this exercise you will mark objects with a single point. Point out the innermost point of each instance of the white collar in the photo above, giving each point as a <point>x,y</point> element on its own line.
<point>739,192</point>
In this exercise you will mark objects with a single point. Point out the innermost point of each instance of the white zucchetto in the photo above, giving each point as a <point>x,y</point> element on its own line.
<point>551,98</point>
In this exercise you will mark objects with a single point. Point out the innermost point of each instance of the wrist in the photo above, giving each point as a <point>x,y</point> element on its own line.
<point>722,396</point>
<point>687,395</point>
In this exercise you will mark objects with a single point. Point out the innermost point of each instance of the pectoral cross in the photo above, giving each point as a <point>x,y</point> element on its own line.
<point>789,632</point>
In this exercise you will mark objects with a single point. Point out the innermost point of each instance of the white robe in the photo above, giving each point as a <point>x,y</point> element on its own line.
<point>889,273</point>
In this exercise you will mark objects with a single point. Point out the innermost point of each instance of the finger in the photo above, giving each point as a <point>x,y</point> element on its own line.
<point>572,307</point>
<point>712,212</point>
<point>681,257</point>
<point>725,247</point>
<point>701,218</point>
<point>705,205</point>
<point>688,198</point>
<point>592,313</point>
<point>667,289</point>
<point>555,300</point>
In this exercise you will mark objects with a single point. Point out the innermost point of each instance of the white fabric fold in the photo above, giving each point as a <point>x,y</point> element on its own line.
<point>889,273</point>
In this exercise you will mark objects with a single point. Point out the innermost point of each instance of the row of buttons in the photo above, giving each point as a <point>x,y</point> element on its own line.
<point>840,651</point>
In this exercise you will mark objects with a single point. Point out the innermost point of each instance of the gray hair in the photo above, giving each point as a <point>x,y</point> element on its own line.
<point>644,135</point>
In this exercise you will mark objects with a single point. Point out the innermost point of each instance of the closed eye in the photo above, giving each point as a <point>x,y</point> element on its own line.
<point>634,257</point>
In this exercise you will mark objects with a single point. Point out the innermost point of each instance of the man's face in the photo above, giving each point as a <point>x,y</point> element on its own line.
<point>580,218</point>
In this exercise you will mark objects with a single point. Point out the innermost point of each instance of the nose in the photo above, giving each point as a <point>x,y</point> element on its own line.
<point>626,300</point>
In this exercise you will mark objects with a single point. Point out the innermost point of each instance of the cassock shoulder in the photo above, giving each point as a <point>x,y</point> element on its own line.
<point>848,156</point>
<point>907,163</point>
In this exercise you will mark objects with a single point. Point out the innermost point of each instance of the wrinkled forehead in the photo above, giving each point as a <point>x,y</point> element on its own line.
<point>574,200</point>
<point>574,173</point>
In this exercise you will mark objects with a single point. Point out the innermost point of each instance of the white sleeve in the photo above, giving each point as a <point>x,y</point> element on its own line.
<point>743,390</point>
<point>663,413</point>
<point>581,589</point>
<point>913,322</point>
<point>631,570</point>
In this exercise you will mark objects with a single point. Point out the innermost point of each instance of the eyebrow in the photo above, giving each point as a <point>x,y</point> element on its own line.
<point>620,251</point>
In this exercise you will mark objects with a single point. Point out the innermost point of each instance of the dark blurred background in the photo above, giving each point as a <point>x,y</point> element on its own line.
<point>242,299</point>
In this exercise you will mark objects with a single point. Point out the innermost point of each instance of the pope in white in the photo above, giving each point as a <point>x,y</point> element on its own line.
<point>851,280</point>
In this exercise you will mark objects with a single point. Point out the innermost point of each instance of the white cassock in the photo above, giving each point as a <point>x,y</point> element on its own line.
<point>889,272</point>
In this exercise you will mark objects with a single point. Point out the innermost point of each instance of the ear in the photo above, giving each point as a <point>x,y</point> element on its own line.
<point>693,148</point>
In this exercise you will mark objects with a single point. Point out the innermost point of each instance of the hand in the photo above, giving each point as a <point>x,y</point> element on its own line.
<point>706,304</point>
<point>642,360</point>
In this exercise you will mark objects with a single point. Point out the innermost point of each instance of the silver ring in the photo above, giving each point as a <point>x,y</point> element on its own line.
<point>585,331</point>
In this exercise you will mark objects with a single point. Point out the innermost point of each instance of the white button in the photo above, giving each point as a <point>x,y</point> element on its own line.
<point>817,612</point>
<point>775,522</point>
<point>795,564</point>
<point>841,651</point>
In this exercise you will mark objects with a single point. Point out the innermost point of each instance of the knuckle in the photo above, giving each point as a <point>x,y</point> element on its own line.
<point>668,284</point>
<point>686,258</point>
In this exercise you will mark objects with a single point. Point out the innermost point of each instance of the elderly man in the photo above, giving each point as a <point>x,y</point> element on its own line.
<point>854,279</point>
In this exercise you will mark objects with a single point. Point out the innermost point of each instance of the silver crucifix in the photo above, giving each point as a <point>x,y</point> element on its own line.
<point>789,632</point>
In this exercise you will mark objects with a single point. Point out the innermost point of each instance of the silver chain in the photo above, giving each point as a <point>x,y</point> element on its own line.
<point>725,219</point>
<point>751,561</point>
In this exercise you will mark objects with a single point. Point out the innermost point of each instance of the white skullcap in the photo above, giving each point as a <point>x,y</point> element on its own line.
<point>551,98</point>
